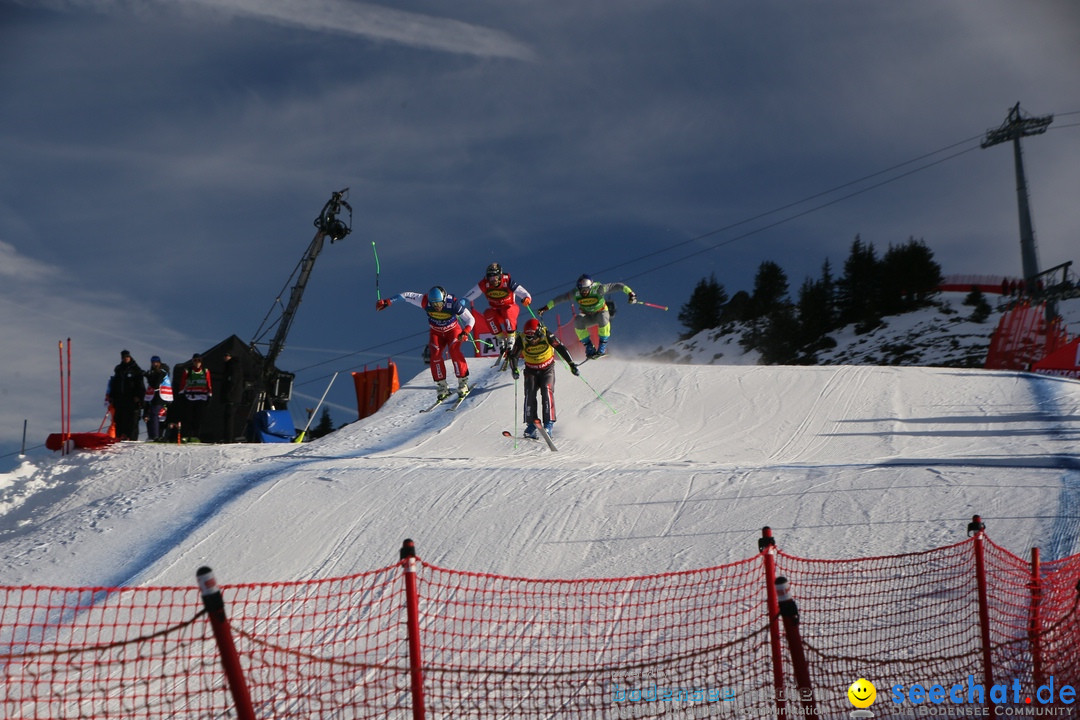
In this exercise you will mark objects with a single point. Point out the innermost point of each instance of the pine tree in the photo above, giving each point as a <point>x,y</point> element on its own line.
<point>980,307</point>
<point>909,275</point>
<point>858,291</point>
<point>737,309</point>
<point>702,311</point>
<point>779,340</point>
<point>324,427</point>
<point>769,306</point>
<point>770,290</point>
<point>815,312</point>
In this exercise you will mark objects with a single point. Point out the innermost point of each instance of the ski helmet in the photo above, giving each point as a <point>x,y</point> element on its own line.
<point>584,284</point>
<point>494,270</point>
<point>532,327</point>
<point>436,296</point>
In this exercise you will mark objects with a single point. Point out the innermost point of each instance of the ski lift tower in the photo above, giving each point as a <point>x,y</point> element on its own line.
<point>1015,127</point>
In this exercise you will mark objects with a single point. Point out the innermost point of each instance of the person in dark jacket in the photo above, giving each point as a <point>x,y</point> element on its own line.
<point>196,389</point>
<point>126,391</point>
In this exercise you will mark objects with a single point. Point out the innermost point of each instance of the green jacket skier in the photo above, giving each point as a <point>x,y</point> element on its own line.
<point>593,309</point>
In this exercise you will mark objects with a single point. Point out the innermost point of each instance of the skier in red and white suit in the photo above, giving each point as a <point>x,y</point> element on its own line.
<point>501,292</point>
<point>451,324</point>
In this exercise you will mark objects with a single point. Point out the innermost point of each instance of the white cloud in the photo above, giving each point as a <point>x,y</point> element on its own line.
<point>381,23</point>
<point>340,16</point>
<point>41,305</point>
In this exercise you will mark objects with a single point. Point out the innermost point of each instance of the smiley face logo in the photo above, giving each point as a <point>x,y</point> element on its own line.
<point>862,693</point>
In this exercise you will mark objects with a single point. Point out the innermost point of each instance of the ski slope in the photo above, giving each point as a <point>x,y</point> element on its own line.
<point>676,467</point>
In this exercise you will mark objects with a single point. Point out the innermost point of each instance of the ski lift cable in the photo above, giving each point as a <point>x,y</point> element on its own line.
<point>739,223</point>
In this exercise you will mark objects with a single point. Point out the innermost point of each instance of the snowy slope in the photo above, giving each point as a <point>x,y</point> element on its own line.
<point>940,335</point>
<point>681,471</point>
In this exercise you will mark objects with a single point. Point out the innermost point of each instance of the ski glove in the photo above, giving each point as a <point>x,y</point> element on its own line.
<point>574,369</point>
<point>632,297</point>
<point>382,304</point>
<point>527,302</point>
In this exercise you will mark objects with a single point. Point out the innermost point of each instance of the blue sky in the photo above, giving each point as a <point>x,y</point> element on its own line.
<point>161,162</point>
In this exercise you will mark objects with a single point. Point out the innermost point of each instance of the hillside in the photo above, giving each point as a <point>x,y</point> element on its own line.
<point>678,467</point>
<point>942,335</point>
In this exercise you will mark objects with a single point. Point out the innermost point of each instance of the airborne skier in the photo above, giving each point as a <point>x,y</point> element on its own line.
<point>593,309</point>
<point>501,292</point>
<point>450,324</point>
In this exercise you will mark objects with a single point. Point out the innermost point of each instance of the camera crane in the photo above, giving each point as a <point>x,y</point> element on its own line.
<point>275,386</point>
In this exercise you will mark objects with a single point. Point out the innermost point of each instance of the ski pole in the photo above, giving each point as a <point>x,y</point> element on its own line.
<point>378,293</point>
<point>300,437</point>
<point>477,342</point>
<point>515,412</point>
<point>598,395</point>
<point>649,304</point>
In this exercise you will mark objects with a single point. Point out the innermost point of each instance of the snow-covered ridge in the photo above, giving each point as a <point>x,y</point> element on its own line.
<point>679,468</point>
<point>942,335</point>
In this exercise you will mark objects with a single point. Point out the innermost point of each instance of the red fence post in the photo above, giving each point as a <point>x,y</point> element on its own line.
<point>412,609</point>
<point>230,660</point>
<point>767,548</point>
<point>977,528</point>
<point>789,612</point>
<point>1035,623</point>
<point>63,411</point>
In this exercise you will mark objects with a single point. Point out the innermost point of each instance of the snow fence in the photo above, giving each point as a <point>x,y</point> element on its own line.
<point>772,635</point>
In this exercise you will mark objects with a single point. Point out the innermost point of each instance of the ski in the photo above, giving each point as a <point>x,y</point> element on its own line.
<point>436,404</point>
<point>507,433</point>
<point>458,402</point>
<point>546,436</point>
<point>530,438</point>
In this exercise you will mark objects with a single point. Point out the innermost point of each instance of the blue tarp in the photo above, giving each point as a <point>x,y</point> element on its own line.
<point>274,426</point>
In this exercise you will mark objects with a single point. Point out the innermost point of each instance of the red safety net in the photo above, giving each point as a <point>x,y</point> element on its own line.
<point>512,647</point>
<point>700,643</point>
<point>1023,337</point>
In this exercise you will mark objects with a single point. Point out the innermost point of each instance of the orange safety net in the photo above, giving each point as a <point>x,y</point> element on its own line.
<point>699,643</point>
<point>374,387</point>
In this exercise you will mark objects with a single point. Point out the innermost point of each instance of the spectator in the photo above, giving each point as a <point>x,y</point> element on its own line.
<point>157,398</point>
<point>125,394</point>
<point>196,389</point>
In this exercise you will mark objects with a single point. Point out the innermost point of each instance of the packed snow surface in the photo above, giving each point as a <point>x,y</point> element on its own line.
<point>659,468</point>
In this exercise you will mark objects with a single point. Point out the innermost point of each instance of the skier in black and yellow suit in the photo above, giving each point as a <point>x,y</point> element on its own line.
<point>537,347</point>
